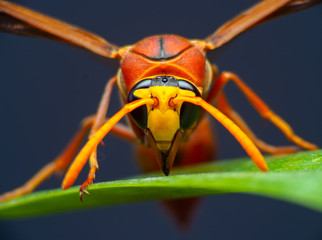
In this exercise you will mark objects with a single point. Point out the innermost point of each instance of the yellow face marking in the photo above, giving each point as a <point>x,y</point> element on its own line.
<point>163,119</point>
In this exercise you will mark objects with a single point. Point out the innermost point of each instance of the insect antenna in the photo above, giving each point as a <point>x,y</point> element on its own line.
<point>239,135</point>
<point>95,139</point>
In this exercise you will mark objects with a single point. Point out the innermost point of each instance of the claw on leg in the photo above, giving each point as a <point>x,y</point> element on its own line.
<point>83,191</point>
<point>90,178</point>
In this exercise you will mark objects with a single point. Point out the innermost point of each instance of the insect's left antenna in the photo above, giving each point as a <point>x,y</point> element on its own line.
<point>22,21</point>
<point>240,136</point>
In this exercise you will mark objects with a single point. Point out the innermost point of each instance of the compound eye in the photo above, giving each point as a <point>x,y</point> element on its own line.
<point>185,85</point>
<point>139,115</point>
<point>189,113</point>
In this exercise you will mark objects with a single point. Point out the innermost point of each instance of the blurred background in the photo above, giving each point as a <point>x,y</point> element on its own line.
<point>48,87</point>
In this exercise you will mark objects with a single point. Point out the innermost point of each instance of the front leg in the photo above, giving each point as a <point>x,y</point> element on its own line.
<point>98,122</point>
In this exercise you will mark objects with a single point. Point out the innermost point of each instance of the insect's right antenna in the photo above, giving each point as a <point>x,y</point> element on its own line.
<point>95,139</point>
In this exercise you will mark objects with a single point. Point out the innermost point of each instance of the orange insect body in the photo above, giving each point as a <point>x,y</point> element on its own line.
<point>163,55</point>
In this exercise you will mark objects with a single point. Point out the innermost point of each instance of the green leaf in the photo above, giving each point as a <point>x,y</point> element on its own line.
<point>295,178</point>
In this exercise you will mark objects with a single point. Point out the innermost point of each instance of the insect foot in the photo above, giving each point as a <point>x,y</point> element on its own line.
<point>83,191</point>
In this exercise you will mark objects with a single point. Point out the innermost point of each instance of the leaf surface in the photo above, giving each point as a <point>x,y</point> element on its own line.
<point>296,178</point>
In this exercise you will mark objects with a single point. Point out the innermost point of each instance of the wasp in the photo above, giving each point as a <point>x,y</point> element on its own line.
<point>167,86</point>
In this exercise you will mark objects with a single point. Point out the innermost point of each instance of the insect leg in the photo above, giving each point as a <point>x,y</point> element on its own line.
<point>224,106</point>
<point>62,161</point>
<point>124,132</point>
<point>58,164</point>
<point>96,138</point>
<point>98,122</point>
<point>261,108</point>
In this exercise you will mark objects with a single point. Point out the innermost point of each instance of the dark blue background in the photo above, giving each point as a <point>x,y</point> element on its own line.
<point>48,87</point>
